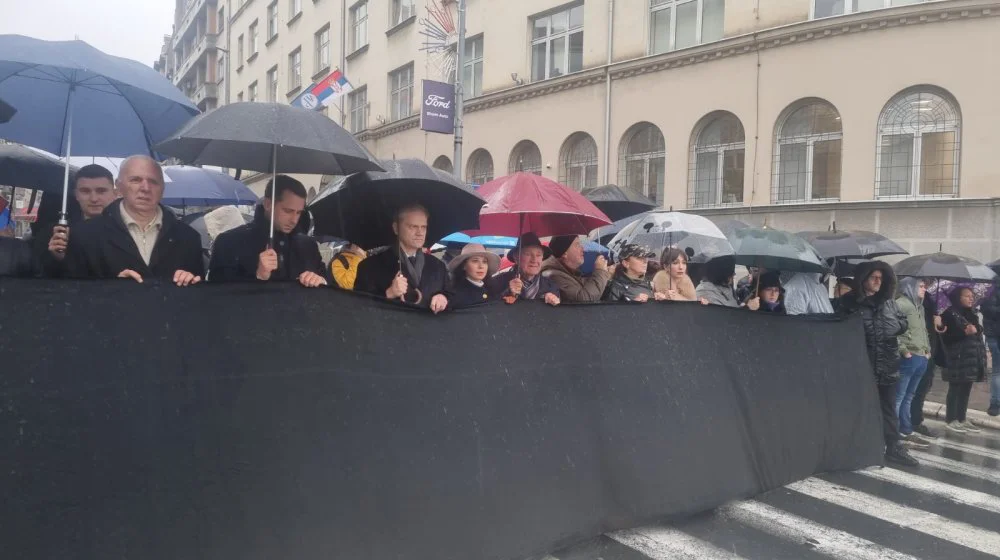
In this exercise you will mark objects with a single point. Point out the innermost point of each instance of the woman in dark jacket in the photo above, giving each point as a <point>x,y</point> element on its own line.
<point>470,272</point>
<point>965,357</point>
<point>629,282</point>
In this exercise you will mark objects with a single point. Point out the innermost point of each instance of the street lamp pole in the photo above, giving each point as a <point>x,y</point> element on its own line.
<point>459,91</point>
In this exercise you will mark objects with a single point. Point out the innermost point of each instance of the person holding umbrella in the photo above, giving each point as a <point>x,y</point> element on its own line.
<point>525,279</point>
<point>470,272</point>
<point>94,190</point>
<point>770,294</point>
<point>875,284</point>
<point>965,357</point>
<point>563,267</point>
<point>405,272</point>
<point>136,237</point>
<point>249,253</point>
<point>717,286</point>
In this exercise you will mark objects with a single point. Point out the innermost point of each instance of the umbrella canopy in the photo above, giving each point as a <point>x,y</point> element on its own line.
<point>618,203</point>
<point>939,291</point>
<point>249,135</point>
<point>28,169</point>
<point>113,106</point>
<point>604,235</point>
<point>193,186</point>
<point>851,244</point>
<point>775,249</point>
<point>525,202</point>
<point>495,241</point>
<point>944,266</point>
<point>362,207</point>
<point>659,230</point>
<point>457,238</point>
<point>6,111</point>
<point>731,226</point>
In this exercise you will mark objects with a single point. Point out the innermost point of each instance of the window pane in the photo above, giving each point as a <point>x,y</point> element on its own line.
<point>706,178</point>
<point>905,2</point>
<point>659,31</point>
<point>560,22</point>
<point>576,17</point>
<point>635,175</point>
<point>478,79</point>
<point>576,52</point>
<point>826,169</point>
<point>538,62</point>
<point>541,28</point>
<point>827,8</point>
<point>865,5</point>
<point>557,57</point>
<point>687,25</point>
<point>792,173</point>
<point>654,184</point>
<point>937,164</point>
<point>713,20</point>
<point>732,176</point>
<point>895,165</point>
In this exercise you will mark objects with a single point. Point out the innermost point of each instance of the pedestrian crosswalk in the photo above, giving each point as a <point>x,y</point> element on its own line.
<point>948,507</point>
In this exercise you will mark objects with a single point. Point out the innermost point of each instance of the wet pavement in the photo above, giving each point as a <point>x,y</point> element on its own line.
<point>946,508</point>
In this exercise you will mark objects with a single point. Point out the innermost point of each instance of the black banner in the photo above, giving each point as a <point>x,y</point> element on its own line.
<point>250,421</point>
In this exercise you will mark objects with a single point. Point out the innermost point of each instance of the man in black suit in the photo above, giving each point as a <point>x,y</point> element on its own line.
<point>405,272</point>
<point>135,237</point>
<point>247,252</point>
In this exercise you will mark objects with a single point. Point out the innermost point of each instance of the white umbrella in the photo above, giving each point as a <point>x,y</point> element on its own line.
<point>697,236</point>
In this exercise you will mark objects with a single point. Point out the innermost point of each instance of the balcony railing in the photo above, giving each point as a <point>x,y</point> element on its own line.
<point>205,43</point>
<point>189,17</point>
<point>205,91</point>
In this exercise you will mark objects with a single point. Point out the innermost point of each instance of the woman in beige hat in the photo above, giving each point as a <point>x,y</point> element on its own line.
<point>470,272</point>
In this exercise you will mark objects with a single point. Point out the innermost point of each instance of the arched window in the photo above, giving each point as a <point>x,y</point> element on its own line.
<point>642,161</point>
<point>525,157</point>
<point>480,168</point>
<point>807,153</point>
<point>717,160</point>
<point>919,133</point>
<point>578,161</point>
<point>444,164</point>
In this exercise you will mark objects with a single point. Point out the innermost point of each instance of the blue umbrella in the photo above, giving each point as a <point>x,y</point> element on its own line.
<point>495,241</point>
<point>74,99</point>
<point>592,250</point>
<point>457,238</point>
<point>185,185</point>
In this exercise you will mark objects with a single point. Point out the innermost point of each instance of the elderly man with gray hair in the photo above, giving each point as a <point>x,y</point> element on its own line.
<point>136,237</point>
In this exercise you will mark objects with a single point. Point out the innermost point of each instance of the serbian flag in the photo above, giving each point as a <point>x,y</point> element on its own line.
<point>323,92</point>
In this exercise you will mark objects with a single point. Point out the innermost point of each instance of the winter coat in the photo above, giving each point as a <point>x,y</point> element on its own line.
<point>466,294</point>
<point>102,247</point>
<point>716,294</point>
<point>344,268</point>
<point>883,321</point>
<point>685,287</point>
<point>16,258</point>
<point>776,310</point>
<point>623,288</point>
<point>964,354</point>
<point>235,253</point>
<point>500,285</point>
<point>804,294</point>
<point>990,308</point>
<point>573,287</point>
<point>915,339</point>
<point>376,273</point>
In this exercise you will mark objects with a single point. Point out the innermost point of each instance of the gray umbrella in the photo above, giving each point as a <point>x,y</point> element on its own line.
<point>851,244</point>
<point>775,249</point>
<point>6,111</point>
<point>944,266</point>
<point>28,169</point>
<point>253,135</point>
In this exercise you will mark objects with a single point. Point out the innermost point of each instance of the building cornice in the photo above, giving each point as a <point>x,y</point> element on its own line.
<point>389,129</point>
<point>885,204</point>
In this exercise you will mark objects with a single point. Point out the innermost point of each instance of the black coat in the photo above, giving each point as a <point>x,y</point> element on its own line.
<point>102,247</point>
<point>990,309</point>
<point>964,354</point>
<point>778,309</point>
<point>500,285</point>
<point>467,294</point>
<point>16,258</point>
<point>883,320</point>
<point>623,288</point>
<point>376,273</point>
<point>235,253</point>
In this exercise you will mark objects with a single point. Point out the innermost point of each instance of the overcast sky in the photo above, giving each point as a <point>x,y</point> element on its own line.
<point>127,28</point>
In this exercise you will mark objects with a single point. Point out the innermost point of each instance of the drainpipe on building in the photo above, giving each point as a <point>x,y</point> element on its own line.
<point>459,91</point>
<point>228,16</point>
<point>607,93</point>
<point>343,57</point>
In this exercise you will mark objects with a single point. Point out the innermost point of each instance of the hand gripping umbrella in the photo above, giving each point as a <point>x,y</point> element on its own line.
<point>269,137</point>
<point>74,99</point>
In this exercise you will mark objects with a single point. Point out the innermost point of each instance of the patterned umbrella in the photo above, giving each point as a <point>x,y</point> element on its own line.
<point>775,249</point>
<point>659,230</point>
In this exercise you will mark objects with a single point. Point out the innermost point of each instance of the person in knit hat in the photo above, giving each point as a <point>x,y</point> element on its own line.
<point>563,267</point>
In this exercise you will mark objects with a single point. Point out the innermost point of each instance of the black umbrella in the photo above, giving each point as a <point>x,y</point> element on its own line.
<point>617,203</point>
<point>361,207</point>
<point>945,266</point>
<point>28,169</point>
<point>269,137</point>
<point>775,249</point>
<point>851,244</point>
<point>6,111</point>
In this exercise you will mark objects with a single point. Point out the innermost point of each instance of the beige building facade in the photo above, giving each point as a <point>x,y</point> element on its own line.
<point>875,114</point>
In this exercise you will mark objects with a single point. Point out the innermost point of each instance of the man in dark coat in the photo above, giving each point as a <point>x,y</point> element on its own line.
<point>525,280</point>
<point>873,298</point>
<point>405,272</point>
<point>93,191</point>
<point>136,237</point>
<point>247,254</point>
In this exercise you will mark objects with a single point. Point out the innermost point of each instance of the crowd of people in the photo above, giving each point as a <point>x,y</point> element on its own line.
<point>120,229</point>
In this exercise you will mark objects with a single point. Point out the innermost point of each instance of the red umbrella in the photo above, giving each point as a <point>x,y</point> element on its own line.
<point>525,202</point>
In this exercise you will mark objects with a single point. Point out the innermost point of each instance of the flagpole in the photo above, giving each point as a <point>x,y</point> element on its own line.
<point>459,91</point>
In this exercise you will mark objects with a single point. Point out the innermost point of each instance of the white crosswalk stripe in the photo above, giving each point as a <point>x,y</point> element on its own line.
<point>957,467</point>
<point>664,543</point>
<point>903,516</point>
<point>823,539</point>
<point>967,448</point>
<point>954,493</point>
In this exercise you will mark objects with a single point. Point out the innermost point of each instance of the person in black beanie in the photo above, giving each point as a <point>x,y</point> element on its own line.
<point>563,267</point>
<point>771,294</point>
